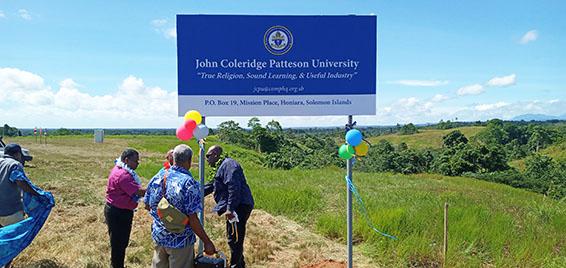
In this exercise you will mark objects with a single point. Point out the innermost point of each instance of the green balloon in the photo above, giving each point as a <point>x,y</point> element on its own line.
<point>346,151</point>
<point>351,150</point>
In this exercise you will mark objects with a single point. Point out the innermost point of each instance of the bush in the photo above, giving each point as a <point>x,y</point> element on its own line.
<point>408,129</point>
<point>10,131</point>
<point>454,138</point>
<point>510,177</point>
<point>286,158</point>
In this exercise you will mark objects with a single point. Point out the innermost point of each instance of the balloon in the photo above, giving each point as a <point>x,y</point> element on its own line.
<point>362,149</point>
<point>194,115</point>
<point>354,137</point>
<point>190,125</point>
<point>351,149</point>
<point>184,134</point>
<point>200,132</point>
<point>346,151</point>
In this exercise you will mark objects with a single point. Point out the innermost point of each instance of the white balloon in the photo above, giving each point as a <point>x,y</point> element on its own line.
<point>200,132</point>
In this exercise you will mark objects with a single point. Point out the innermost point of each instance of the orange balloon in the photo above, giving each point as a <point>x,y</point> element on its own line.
<point>362,149</point>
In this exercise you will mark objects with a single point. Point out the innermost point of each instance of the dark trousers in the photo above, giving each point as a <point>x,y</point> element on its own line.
<point>237,235</point>
<point>119,223</point>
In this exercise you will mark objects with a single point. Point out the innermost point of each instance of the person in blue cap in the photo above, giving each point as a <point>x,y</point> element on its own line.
<point>12,183</point>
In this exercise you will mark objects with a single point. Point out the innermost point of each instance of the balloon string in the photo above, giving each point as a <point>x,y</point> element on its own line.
<point>353,189</point>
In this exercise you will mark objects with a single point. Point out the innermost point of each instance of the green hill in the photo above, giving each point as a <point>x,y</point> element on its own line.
<point>426,138</point>
<point>490,224</point>
<point>556,151</point>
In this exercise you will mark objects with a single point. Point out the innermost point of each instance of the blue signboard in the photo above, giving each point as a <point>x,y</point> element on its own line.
<point>237,65</point>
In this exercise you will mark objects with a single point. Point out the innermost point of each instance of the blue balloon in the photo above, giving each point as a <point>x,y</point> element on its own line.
<point>354,137</point>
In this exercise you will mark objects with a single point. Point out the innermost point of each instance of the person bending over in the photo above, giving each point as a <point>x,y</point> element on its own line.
<point>233,199</point>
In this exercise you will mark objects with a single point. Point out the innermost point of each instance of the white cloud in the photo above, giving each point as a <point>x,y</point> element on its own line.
<point>408,102</point>
<point>502,81</point>
<point>471,90</point>
<point>158,23</point>
<point>429,112</point>
<point>529,36</point>
<point>420,83</point>
<point>439,98</point>
<point>504,110</point>
<point>132,104</point>
<point>171,33</point>
<point>2,15</point>
<point>487,107</point>
<point>24,14</point>
<point>161,26</point>
<point>14,83</point>
<point>406,110</point>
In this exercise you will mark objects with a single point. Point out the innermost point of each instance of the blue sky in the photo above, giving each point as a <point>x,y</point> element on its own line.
<point>87,64</point>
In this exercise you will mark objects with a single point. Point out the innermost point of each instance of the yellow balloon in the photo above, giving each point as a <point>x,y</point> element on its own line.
<point>362,149</point>
<point>194,115</point>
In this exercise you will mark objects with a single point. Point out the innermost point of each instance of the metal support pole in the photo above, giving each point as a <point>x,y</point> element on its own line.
<point>445,245</point>
<point>349,171</point>
<point>201,157</point>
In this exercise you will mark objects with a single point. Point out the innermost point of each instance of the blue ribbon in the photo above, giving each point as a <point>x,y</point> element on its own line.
<point>353,189</point>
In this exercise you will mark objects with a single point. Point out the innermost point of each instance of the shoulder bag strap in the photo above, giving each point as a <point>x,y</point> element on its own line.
<point>164,184</point>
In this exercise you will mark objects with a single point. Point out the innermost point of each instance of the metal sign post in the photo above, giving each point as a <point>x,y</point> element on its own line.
<point>201,157</point>
<point>349,165</point>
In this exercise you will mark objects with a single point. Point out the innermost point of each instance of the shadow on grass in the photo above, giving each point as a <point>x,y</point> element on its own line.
<point>45,263</point>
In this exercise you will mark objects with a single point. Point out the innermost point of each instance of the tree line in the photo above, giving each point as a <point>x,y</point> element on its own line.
<point>484,156</point>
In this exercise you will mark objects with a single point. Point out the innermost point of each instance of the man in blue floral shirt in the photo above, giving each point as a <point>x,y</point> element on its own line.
<point>183,192</point>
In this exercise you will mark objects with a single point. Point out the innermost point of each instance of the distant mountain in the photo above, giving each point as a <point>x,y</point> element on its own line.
<point>538,117</point>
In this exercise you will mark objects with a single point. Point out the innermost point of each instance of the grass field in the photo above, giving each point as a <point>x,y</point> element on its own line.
<point>426,138</point>
<point>300,216</point>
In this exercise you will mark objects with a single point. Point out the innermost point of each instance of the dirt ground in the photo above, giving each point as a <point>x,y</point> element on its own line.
<point>275,241</point>
<point>327,264</point>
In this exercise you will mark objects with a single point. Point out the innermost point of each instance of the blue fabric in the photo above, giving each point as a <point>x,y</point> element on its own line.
<point>18,175</point>
<point>16,237</point>
<point>10,194</point>
<point>230,187</point>
<point>183,192</point>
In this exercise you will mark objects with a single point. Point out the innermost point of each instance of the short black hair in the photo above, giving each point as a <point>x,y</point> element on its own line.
<point>128,153</point>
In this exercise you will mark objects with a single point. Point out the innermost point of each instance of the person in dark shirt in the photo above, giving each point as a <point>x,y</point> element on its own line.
<point>233,199</point>
<point>13,181</point>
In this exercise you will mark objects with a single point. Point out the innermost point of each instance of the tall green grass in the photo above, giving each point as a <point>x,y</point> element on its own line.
<point>490,224</point>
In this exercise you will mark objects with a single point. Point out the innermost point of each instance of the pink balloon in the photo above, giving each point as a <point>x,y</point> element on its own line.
<point>190,125</point>
<point>184,134</point>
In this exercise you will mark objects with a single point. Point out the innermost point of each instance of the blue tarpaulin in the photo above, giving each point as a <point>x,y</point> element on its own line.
<point>16,237</point>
